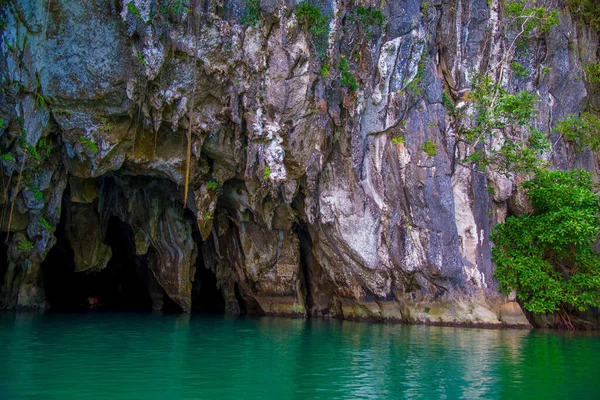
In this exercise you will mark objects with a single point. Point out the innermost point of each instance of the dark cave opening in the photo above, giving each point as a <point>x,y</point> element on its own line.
<point>306,262</point>
<point>3,258</point>
<point>207,297</point>
<point>121,285</point>
<point>125,280</point>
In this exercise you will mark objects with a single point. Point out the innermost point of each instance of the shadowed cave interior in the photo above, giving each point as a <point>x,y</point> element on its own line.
<point>126,283</point>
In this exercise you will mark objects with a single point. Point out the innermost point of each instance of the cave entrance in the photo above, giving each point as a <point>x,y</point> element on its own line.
<point>3,259</point>
<point>125,281</point>
<point>121,285</point>
<point>207,297</point>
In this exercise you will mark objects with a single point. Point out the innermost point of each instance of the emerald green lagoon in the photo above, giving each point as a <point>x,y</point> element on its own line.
<point>102,355</point>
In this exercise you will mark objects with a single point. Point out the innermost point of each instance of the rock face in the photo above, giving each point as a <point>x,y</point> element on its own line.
<point>302,199</point>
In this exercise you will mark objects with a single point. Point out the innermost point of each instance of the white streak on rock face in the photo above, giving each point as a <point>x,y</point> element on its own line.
<point>396,70</point>
<point>465,225</point>
<point>252,47</point>
<point>403,159</point>
<point>153,53</point>
<point>414,256</point>
<point>274,153</point>
<point>357,227</point>
<point>360,233</point>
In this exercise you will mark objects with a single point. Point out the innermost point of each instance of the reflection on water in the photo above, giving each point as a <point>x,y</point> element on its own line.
<point>127,356</point>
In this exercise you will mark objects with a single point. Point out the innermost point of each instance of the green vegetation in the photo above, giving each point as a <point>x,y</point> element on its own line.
<point>37,193</point>
<point>429,148</point>
<point>24,245</point>
<point>89,143</point>
<point>164,10</point>
<point>173,7</point>
<point>267,173</point>
<point>29,149</point>
<point>592,72</point>
<point>311,18</point>
<point>348,79</point>
<point>251,12</point>
<point>519,69</point>
<point>140,57</point>
<point>368,16</point>
<point>367,19</point>
<point>527,18</point>
<point>547,257</point>
<point>45,224</point>
<point>107,125</point>
<point>583,132</point>
<point>587,10</point>
<point>132,8</point>
<point>497,111</point>
<point>40,101</point>
<point>414,85</point>
<point>212,185</point>
<point>207,216</point>
<point>424,9</point>
<point>7,157</point>
<point>398,139</point>
<point>448,103</point>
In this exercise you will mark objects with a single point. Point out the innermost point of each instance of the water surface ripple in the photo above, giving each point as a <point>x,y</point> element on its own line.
<point>154,356</point>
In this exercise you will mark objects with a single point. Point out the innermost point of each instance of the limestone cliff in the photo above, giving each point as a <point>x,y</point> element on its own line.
<point>307,196</point>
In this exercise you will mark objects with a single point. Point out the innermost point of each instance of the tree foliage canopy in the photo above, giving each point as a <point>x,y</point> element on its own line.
<point>547,257</point>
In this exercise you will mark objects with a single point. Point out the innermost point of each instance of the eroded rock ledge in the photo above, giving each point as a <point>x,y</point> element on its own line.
<point>301,203</point>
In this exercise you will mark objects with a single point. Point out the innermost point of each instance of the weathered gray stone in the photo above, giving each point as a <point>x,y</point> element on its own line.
<point>512,315</point>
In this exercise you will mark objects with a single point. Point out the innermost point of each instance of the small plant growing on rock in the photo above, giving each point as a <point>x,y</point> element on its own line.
<point>592,72</point>
<point>519,69</point>
<point>24,245</point>
<point>267,173</point>
<point>448,103</point>
<point>414,85</point>
<point>587,10</point>
<point>528,18</point>
<point>212,185</point>
<point>45,224</point>
<point>397,140</point>
<point>367,18</point>
<point>140,57</point>
<point>107,125</point>
<point>429,148</point>
<point>30,150</point>
<point>251,12</point>
<point>348,79</point>
<point>132,8</point>
<point>40,101</point>
<point>89,143</point>
<point>37,193</point>
<point>317,24</point>
<point>582,131</point>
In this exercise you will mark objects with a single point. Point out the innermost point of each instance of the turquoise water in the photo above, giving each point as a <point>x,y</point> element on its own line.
<point>153,356</point>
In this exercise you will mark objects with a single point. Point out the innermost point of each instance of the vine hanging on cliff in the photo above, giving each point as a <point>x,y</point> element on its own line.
<point>188,155</point>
